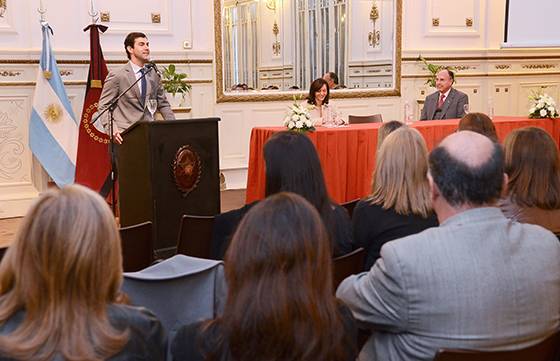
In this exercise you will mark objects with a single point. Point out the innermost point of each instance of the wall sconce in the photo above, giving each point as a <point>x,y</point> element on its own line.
<point>3,7</point>
<point>374,35</point>
<point>271,4</point>
<point>276,45</point>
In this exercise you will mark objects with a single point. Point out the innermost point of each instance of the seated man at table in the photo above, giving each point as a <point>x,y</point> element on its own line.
<point>478,281</point>
<point>446,102</point>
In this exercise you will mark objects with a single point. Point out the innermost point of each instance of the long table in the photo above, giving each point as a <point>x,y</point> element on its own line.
<point>347,154</point>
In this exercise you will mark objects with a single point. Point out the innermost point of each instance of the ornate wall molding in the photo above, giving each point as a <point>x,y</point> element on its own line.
<point>538,66</point>
<point>10,73</point>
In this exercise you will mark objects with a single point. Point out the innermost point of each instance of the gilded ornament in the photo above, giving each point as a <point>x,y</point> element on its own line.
<point>47,74</point>
<point>156,18</point>
<point>3,7</point>
<point>435,21</point>
<point>469,22</point>
<point>53,113</point>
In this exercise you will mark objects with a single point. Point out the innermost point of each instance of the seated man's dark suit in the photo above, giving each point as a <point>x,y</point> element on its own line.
<point>453,106</point>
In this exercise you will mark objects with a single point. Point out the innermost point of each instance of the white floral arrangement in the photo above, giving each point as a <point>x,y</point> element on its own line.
<point>542,106</point>
<point>298,118</point>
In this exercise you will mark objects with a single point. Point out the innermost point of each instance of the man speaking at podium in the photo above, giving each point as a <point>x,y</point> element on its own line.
<point>132,106</point>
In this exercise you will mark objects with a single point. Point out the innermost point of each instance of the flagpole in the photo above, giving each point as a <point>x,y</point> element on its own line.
<point>41,10</point>
<point>93,13</point>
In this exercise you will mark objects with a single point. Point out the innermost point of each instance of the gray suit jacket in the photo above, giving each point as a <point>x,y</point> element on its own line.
<point>478,281</point>
<point>130,108</point>
<point>452,106</point>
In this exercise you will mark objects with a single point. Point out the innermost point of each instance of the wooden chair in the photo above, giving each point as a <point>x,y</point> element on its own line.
<point>546,350</point>
<point>137,246</point>
<point>195,236</point>
<point>357,119</point>
<point>350,205</point>
<point>3,252</point>
<point>348,264</point>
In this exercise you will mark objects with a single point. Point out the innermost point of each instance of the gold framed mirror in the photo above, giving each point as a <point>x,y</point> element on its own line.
<point>273,49</point>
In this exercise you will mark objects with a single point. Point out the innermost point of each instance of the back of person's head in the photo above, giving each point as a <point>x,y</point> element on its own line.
<point>280,303</point>
<point>479,123</point>
<point>63,270</point>
<point>315,86</point>
<point>130,39</point>
<point>292,165</point>
<point>532,164</point>
<point>400,178</point>
<point>468,169</point>
<point>385,129</point>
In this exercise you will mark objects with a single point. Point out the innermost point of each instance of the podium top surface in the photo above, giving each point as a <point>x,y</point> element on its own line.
<point>158,123</point>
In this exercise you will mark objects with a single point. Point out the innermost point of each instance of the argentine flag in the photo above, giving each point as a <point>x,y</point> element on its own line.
<point>53,131</point>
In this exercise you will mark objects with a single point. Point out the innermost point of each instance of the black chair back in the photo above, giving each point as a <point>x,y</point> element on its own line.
<point>357,119</point>
<point>348,264</point>
<point>195,236</point>
<point>350,205</point>
<point>137,246</point>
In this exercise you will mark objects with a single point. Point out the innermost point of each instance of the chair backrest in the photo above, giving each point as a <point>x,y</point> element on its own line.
<point>3,252</point>
<point>350,205</point>
<point>546,350</point>
<point>137,246</point>
<point>195,236</point>
<point>356,119</point>
<point>348,264</point>
<point>179,290</point>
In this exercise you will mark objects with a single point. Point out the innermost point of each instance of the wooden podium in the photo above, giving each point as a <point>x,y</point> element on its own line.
<point>167,169</point>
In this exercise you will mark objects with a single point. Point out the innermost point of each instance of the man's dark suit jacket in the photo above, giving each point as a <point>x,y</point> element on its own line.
<point>453,106</point>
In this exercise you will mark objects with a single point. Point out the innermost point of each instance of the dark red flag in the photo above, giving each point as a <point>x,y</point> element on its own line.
<point>93,163</point>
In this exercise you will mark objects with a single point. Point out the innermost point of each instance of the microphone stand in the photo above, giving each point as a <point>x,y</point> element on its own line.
<point>111,108</point>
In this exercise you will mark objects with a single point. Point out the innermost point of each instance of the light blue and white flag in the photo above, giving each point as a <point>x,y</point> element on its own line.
<point>53,131</point>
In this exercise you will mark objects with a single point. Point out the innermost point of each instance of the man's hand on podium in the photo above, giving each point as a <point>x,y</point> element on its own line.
<point>118,138</point>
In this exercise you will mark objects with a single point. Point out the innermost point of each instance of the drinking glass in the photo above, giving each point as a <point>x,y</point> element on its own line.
<point>152,106</point>
<point>466,108</point>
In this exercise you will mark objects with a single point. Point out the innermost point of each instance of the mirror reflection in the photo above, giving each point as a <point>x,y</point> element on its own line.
<point>279,45</point>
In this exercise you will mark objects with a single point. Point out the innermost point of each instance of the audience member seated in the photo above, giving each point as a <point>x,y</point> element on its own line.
<point>280,304</point>
<point>385,129</point>
<point>292,165</point>
<point>60,284</point>
<point>479,123</point>
<point>478,281</point>
<point>533,168</point>
<point>446,102</point>
<point>400,203</point>
<point>332,79</point>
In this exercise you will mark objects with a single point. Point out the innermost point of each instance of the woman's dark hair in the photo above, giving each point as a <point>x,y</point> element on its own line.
<point>314,88</point>
<point>479,123</point>
<point>280,303</point>
<point>292,165</point>
<point>532,163</point>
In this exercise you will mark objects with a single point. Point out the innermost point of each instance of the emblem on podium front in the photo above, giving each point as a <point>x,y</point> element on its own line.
<point>186,169</point>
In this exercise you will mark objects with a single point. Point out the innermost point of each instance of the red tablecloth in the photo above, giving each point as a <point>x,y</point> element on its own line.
<point>348,154</point>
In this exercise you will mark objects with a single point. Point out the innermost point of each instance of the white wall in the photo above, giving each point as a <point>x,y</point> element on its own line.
<point>486,71</point>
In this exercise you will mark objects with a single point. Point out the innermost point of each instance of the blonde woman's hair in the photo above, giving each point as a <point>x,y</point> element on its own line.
<point>400,178</point>
<point>63,270</point>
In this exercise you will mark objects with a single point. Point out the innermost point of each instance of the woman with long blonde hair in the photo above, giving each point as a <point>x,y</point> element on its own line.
<point>59,287</point>
<point>400,203</point>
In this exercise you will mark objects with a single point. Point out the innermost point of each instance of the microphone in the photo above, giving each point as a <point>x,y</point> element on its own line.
<point>151,65</point>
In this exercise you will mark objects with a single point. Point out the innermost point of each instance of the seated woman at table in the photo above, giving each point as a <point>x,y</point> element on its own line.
<point>400,203</point>
<point>479,123</point>
<point>319,97</point>
<point>59,287</point>
<point>292,165</point>
<point>532,164</point>
<point>280,303</point>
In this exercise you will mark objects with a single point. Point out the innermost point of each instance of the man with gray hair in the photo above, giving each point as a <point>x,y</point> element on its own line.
<point>478,281</point>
